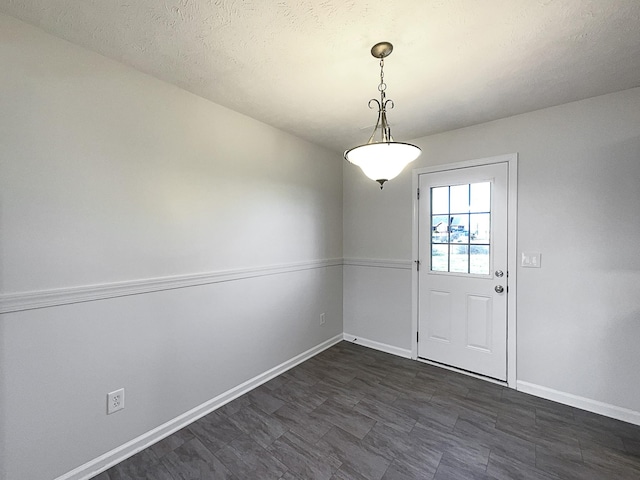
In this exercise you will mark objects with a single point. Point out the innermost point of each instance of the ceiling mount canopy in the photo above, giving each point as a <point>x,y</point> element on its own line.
<point>381,158</point>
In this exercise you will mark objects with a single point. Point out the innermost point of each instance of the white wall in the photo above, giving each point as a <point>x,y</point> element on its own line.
<point>579,315</point>
<point>377,302</point>
<point>108,175</point>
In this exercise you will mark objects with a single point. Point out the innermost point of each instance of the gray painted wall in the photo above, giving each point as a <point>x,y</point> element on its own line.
<point>108,175</point>
<point>579,315</point>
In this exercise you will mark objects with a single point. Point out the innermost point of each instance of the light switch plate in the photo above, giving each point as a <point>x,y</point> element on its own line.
<point>530,259</point>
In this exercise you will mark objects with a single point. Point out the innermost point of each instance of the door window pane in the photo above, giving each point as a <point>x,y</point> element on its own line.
<point>459,258</point>
<point>461,228</point>
<point>440,200</point>
<point>480,197</point>
<point>440,228</point>
<point>459,195</point>
<point>479,260</point>
<point>480,227</point>
<point>440,258</point>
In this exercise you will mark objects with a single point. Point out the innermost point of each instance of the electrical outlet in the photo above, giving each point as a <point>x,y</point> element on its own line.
<point>115,401</point>
<point>322,319</point>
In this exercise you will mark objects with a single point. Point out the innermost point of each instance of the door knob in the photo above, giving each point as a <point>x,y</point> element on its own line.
<point>499,289</point>
<point>499,273</point>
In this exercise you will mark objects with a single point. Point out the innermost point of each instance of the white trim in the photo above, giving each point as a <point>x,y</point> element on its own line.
<point>383,347</point>
<point>478,162</point>
<point>415,255</point>
<point>512,212</point>
<point>601,408</point>
<point>378,263</point>
<point>512,270</point>
<point>15,302</point>
<point>117,455</point>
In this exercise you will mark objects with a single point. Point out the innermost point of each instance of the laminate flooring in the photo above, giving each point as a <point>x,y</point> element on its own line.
<point>355,413</point>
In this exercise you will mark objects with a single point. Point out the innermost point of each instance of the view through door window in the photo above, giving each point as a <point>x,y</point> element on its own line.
<point>461,228</point>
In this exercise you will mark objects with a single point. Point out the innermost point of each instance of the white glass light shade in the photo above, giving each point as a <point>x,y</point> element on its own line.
<point>382,161</point>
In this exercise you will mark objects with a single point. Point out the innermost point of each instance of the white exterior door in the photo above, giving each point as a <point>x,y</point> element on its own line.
<point>462,279</point>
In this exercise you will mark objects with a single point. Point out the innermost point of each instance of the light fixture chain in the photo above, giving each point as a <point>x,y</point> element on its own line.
<point>383,86</point>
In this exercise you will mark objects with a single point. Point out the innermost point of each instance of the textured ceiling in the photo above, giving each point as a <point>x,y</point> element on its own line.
<point>305,66</point>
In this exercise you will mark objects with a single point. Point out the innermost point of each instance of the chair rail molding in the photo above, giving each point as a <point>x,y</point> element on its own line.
<point>378,263</point>
<point>16,302</point>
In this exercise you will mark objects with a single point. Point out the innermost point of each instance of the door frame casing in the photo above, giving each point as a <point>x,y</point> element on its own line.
<point>512,222</point>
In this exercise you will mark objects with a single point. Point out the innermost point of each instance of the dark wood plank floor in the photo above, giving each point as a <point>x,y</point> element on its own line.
<point>356,413</point>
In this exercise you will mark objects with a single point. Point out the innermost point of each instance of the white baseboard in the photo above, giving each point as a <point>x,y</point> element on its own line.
<point>115,456</point>
<point>582,403</point>
<point>383,347</point>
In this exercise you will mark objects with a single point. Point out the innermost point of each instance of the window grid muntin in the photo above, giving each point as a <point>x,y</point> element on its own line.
<point>444,238</point>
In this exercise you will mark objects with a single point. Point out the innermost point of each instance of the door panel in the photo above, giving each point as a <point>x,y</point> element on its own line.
<point>479,322</point>
<point>440,312</point>
<point>462,242</point>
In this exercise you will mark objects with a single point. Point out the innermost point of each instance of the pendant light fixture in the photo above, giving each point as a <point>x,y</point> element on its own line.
<point>381,158</point>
